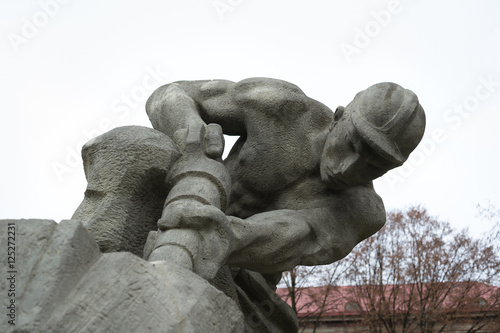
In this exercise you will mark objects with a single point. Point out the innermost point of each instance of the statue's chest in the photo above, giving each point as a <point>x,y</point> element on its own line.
<point>265,169</point>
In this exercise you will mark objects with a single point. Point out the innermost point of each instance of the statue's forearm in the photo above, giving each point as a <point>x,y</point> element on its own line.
<point>280,240</point>
<point>262,242</point>
<point>171,109</point>
<point>175,106</point>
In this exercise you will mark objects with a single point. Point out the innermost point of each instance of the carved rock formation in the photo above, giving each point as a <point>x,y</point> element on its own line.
<point>63,283</point>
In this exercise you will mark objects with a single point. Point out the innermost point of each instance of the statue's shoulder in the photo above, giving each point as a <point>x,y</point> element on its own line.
<point>270,96</point>
<point>268,84</point>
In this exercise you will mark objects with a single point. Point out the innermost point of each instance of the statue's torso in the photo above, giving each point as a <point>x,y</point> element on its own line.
<point>275,167</point>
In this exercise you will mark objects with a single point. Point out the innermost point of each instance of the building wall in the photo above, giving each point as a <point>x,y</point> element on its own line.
<point>355,325</point>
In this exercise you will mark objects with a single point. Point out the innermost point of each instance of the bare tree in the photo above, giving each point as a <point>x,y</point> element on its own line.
<point>419,275</point>
<point>312,303</point>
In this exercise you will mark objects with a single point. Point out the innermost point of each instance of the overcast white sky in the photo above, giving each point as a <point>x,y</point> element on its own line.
<point>72,69</point>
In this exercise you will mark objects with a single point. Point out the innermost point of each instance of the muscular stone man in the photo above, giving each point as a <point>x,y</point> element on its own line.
<point>301,191</point>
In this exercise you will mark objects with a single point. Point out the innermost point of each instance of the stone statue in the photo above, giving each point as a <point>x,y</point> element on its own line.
<point>296,188</point>
<point>301,191</point>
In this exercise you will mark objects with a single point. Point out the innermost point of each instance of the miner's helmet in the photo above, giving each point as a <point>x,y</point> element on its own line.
<point>389,119</point>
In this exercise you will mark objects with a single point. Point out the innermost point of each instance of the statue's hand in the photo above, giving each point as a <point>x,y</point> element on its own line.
<point>200,139</point>
<point>202,231</point>
<point>190,214</point>
<point>213,141</point>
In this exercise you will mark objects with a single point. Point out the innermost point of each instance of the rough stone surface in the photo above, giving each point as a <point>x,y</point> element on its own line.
<point>126,170</point>
<point>65,284</point>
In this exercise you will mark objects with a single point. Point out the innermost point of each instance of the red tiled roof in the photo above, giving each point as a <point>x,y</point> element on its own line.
<point>347,300</point>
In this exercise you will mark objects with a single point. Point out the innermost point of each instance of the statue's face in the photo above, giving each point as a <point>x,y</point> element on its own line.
<point>347,160</point>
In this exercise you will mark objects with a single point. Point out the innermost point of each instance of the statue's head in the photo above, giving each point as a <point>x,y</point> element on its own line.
<point>376,132</point>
